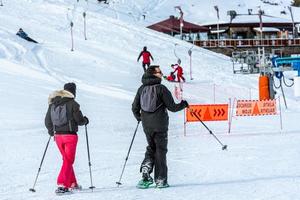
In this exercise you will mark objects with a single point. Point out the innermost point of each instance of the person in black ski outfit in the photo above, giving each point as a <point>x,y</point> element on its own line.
<point>63,107</point>
<point>155,125</point>
<point>25,36</point>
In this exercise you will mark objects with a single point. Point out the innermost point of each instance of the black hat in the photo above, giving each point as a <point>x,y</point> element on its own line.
<point>71,87</point>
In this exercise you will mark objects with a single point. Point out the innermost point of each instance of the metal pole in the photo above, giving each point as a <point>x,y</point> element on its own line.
<point>190,54</point>
<point>218,34</point>
<point>292,17</point>
<point>119,182</point>
<point>214,89</point>
<point>260,13</point>
<point>89,157</point>
<point>218,26</point>
<point>72,40</point>
<point>231,115</point>
<point>283,95</point>
<point>32,189</point>
<point>229,121</point>
<point>84,22</point>
<point>184,124</point>
<point>280,116</point>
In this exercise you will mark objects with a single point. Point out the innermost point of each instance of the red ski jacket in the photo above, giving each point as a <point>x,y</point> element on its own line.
<point>146,56</point>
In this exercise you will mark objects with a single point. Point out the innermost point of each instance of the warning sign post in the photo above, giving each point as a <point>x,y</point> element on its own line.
<point>255,107</point>
<point>258,108</point>
<point>206,112</point>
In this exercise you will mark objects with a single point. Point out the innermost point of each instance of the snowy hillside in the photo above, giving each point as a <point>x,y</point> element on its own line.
<point>262,161</point>
<point>201,12</point>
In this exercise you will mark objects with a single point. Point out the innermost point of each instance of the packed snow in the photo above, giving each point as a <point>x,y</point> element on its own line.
<point>262,161</point>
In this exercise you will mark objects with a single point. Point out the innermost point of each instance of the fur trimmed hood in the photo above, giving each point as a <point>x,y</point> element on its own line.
<point>61,94</point>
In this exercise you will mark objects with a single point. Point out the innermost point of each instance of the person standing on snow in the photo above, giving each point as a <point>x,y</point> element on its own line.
<point>150,106</point>
<point>62,120</point>
<point>179,70</point>
<point>146,58</point>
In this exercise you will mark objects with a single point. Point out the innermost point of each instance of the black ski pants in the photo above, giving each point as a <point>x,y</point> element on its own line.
<point>156,154</point>
<point>144,66</point>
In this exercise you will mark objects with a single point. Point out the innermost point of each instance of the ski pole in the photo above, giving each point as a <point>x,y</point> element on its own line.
<point>119,182</point>
<point>224,147</point>
<point>32,189</point>
<point>89,158</point>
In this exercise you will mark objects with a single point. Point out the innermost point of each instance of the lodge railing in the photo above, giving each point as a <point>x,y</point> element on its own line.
<point>238,43</point>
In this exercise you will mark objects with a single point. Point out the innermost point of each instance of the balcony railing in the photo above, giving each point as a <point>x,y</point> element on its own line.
<point>239,43</point>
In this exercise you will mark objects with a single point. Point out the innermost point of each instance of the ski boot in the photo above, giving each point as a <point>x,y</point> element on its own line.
<point>146,181</point>
<point>160,183</point>
<point>62,191</point>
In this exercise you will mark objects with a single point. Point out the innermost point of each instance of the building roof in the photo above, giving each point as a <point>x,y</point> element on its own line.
<point>172,25</point>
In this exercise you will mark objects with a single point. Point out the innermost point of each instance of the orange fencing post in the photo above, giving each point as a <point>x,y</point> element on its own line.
<point>264,93</point>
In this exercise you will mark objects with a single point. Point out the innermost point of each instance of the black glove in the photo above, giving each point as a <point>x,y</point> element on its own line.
<point>86,120</point>
<point>138,119</point>
<point>185,103</point>
<point>51,133</point>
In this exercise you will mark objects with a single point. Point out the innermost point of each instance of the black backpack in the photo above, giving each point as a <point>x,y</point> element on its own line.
<point>59,115</point>
<point>149,99</point>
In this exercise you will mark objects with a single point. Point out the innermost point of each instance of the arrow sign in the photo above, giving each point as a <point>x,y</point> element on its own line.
<point>211,112</point>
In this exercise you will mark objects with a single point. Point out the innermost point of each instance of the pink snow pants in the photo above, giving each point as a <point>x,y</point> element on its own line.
<point>67,147</point>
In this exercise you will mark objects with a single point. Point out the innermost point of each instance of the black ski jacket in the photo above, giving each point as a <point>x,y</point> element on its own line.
<point>157,121</point>
<point>74,114</point>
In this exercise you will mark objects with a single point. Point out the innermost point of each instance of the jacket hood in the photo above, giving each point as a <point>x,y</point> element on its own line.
<point>150,79</point>
<point>60,96</point>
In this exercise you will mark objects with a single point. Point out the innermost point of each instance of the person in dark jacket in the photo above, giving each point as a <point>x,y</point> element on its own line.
<point>65,135</point>
<point>24,35</point>
<point>155,125</point>
<point>146,58</point>
<point>104,1</point>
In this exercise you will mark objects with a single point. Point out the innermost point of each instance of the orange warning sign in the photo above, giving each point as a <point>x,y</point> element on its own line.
<point>255,107</point>
<point>209,112</point>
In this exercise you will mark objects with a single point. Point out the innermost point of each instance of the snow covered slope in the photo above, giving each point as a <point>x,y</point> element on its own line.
<point>201,12</point>
<point>262,162</point>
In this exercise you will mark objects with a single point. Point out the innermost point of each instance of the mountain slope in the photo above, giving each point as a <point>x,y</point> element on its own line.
<point>260,163</point>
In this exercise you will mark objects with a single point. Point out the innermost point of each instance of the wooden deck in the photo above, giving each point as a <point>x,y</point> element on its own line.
<point>240,43</point>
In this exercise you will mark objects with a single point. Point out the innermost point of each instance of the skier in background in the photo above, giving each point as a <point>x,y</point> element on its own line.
<point>24,35</point>
<point>171,77</point>
<point>150,106</point>
<point>146,58</point>
<point>62,120</point>
<point>179,71</point>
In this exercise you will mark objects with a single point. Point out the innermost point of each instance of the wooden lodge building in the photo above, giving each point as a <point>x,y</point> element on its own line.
<point>172,27</point>
<point>242,33</point>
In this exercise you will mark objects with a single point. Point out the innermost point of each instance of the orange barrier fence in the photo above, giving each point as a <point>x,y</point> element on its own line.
<point>209,112</point>
<point>206,112</point>
<point>256,107</point>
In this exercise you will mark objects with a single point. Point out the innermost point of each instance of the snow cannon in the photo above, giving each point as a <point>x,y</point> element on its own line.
<point>288,64</point>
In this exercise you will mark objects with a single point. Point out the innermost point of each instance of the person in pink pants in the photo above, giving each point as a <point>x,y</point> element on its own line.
<point>62,120</point>
<point>67,147</point>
